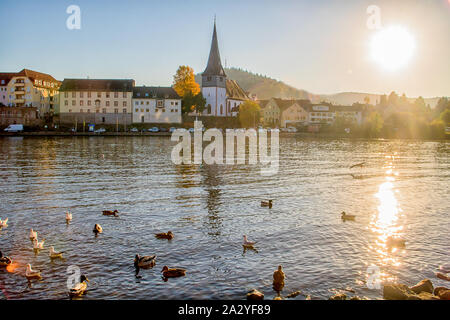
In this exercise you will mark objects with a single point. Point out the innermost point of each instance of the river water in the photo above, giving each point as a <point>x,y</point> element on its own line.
<point>402,190</point>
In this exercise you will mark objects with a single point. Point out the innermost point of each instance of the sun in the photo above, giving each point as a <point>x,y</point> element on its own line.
<point>392,47</point>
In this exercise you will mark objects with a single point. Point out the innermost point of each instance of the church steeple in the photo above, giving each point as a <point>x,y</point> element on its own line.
<point>214,67</point>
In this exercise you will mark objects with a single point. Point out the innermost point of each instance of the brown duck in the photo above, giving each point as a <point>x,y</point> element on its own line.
<point>110,213</point>
<point>168,235</point>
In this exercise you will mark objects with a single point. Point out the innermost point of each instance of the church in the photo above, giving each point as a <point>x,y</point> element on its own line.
<point>223,96</point>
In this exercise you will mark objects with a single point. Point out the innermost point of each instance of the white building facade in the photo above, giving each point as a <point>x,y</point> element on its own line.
<point>156,105</point>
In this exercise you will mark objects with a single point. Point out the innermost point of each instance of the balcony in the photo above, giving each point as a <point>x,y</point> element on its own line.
<point>19,91</point>
<point>18,101</point>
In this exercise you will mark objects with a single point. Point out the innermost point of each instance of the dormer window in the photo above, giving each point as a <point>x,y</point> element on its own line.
<point>208,78</point>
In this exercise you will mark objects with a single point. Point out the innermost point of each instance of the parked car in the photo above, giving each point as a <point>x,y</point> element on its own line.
<point>172,129</point>
<point>101,130</point>
<point>134,130</point>
<point>14,128</point>
<point>191,130</point>
<point>164,130</point>
<point>154,129</point>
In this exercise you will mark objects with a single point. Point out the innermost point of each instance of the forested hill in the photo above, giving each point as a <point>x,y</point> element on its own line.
<point>263,86</point>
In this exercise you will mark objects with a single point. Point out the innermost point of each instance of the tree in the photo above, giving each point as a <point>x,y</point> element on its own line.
<point>193,102</point>
<point>420,105</point>
<point>374,124</point>
<point>184,82</point>
<point>249,114</point>
<point>445,116</point>
<point>393,99</point>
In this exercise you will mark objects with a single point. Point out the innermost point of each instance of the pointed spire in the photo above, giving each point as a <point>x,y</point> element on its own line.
<point>214,67</point>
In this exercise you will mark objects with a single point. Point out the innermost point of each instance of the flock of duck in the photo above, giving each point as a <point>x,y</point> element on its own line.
<point>146,262</point>
<point>80,288</point>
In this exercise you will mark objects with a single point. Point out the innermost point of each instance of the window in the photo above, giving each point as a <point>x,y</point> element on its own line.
<point>70,110</point>
<point>89,94</point>
<point>147,103</point>
<point>81,94</point>
<point>136,103</point>
<point>142,119</point>
<point>124,103</point>
<point>116,110</point>
<point>116,103</point>
<point>171,103</point>
<point>163,110</point>
<point>124,110</point>
<point>99,94</point>
<point>208,78</point>
<point>116,94</point>
<point>107,103</point>
<point>89,102</point>
<point>104,110</point>
<point>66,94</point>
<point>66,103</point>
<point>147,110</point>
<point>73,94</point>
<point>107,94</point>
<point>89,110</point>
<point>142,102</point>
<point>124,94</point>
<point>73,102</point>
<point>81,102</point>
<point>159,103</point>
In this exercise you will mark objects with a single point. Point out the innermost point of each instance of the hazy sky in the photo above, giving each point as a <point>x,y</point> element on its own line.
<point>319,46</point>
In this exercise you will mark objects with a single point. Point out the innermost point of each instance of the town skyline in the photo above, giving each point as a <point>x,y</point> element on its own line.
<point>96,61</point>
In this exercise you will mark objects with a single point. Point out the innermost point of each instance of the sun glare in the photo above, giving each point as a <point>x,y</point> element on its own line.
<point>392,47</point>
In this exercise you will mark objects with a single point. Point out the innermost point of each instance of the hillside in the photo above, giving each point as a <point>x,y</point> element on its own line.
<point>266,88</point>
<point>263,86</point>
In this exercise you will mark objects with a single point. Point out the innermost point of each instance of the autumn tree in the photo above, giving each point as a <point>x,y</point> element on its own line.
<point>184,81</point>
<point>189,90</point>
<point>249,114</point>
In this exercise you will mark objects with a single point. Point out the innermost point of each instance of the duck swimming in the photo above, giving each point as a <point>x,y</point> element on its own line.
<point>144,262</point>
<point>38,245</point>
<point>278,279</point>
<point>80,288</point>
<point>33,235</point>
<point>32,274</point>
<point>4,261</point>
<point>110,213</point>
<point>266,204</point>
<point>247,243</point>
<point>346,217</point>
<point>97,229</point>
<point>173,272</point>
<point>168,235</point>
<point>395,242</point>
<point>68,216</point>
<point>55,255</point>
<point>3,223</point>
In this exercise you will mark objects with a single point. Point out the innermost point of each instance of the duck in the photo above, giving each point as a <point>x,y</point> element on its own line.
<point>68,216</point>
<point>247,243</point>
<point>97,229</point>
<point>255,295</point>
<point>4,261</point>
<point>33,235</point>
<point>346,217</point>
<point>144,262</point>
<point>38,245</point>
<point>80,288</point>
<point>266,204</point>
<point>32,274</point>
<point>110,213</point>
<point>173,272</point>
<point>55,255</point>
<point>168,235</point>
<point>278,279</point>
<point>395,242</point>
<point>3,223</point>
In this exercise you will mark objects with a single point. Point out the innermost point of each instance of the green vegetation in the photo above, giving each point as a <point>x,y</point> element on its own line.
<point>249,114</point>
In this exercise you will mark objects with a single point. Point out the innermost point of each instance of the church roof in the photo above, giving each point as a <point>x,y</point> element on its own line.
<point>214,67</point>
<point>234,91</point>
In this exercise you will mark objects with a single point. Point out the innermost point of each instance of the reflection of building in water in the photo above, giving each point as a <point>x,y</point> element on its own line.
<point>212,183</point>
